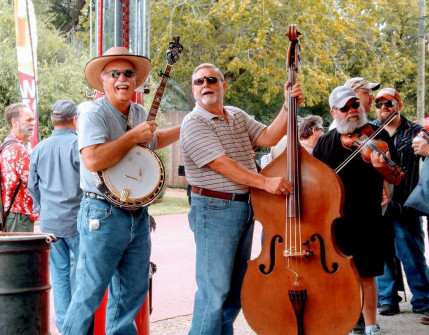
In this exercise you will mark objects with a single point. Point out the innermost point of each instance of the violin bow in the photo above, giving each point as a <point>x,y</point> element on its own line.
<point>374,134</point>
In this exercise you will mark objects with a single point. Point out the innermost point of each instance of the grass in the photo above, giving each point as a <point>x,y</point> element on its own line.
<point>169,205</point>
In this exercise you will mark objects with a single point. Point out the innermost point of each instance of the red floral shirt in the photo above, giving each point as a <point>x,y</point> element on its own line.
<point>15,166</point>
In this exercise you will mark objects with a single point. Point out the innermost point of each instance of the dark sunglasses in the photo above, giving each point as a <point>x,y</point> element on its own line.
<point>117,73</point>
<point>210,80</point>
<point>346,108</point>
<point>388,104</point>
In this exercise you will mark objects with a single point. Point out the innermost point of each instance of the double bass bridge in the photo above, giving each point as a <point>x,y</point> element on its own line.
<point>291,253</point>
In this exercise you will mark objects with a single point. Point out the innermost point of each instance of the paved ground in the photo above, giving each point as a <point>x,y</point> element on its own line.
<point>174,285</point>
<point>173,251</point>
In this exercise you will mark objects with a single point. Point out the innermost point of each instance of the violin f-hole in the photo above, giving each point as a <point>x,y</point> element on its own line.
<point>334,265</point>
<point>272,255</point>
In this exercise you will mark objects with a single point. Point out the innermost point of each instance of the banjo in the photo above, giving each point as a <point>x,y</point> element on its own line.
<point>137,179</point>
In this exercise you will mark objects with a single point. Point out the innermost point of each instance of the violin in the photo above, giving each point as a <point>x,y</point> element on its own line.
<point>365,142</point>
<point>362,140</point>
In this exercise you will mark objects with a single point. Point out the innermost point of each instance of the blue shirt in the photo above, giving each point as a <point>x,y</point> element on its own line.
<point>54,182</point>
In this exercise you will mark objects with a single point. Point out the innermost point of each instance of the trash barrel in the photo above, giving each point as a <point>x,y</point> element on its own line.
<point>24,283</point>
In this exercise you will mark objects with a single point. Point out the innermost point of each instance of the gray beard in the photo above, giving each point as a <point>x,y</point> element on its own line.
<point>208,100</point>
<point>25,131</point>
<point>344,126</point>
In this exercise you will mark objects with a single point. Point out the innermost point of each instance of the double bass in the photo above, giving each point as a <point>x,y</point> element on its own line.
<point>300,284</point>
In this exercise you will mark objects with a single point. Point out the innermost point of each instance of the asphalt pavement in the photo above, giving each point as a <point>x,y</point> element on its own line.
<point>174,284</point>
<point>173,252</point>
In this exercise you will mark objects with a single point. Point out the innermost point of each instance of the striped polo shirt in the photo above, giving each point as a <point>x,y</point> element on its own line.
<point>205,136</point>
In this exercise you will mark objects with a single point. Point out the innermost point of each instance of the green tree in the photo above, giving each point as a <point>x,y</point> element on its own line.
<point>60,68</point>
<point>246,39</point>
<point>63,14</point>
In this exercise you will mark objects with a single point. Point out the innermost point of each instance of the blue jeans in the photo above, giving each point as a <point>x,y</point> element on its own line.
<point>115,248</point>
<point>409,246</point>
<point>62,274</point>
<point>223,232</point>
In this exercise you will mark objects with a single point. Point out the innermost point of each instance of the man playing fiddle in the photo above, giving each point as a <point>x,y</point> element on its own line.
<point>359,232</point>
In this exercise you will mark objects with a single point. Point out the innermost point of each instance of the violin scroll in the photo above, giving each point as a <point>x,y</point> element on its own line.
<point>293,53</point>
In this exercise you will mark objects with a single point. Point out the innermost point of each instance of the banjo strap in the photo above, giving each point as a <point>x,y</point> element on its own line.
<point>99,183</point>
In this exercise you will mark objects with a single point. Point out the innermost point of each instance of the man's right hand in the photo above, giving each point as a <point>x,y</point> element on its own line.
<point>278,185</point>
<point>143,132</point>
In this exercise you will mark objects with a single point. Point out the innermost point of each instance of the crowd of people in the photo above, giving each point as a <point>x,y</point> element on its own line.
<point>101,246</point>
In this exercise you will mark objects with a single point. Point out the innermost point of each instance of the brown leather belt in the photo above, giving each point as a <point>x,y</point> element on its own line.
<point>221,195</point>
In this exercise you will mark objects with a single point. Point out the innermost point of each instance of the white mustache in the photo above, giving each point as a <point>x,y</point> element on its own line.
<point>352,115</point>
<point>121,83</point>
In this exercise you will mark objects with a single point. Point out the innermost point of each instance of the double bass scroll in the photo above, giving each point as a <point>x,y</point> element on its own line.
<point>300,284</point>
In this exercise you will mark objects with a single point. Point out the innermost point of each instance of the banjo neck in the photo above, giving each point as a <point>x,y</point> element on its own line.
<point>159,93</point>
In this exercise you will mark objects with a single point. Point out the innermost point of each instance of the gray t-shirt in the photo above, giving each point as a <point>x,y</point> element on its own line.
<point>205,137</point>
<point>101,123</point>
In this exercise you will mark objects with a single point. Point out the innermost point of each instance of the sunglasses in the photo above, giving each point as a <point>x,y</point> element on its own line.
<point>346,108</point>
<point>117,73</point>
<point>210,80</point>
<point>388,104</point>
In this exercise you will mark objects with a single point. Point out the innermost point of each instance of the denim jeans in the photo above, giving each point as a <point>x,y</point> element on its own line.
<point>223,232</point>
<point>62,274</point>
<point>409,246</point>
<point>115,248</point>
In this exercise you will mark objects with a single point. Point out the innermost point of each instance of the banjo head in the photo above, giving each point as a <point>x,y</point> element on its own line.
<point>136,180</point>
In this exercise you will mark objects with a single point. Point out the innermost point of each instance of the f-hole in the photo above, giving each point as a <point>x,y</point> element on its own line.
<point>276,238</point>
<point>334,265</point>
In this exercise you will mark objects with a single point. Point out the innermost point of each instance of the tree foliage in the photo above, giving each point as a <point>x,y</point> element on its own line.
<point>63,14</point>
<point>246,39</point>
<point>60,68</point>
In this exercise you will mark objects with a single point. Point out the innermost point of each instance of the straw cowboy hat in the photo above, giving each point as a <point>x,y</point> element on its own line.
<point>95,66</point>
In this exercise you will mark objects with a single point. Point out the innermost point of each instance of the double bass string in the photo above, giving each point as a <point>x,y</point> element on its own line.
<point>293,247</point>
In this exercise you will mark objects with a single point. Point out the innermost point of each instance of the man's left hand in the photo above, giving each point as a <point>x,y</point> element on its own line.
<point>378,160</point>
<point>296,92</point>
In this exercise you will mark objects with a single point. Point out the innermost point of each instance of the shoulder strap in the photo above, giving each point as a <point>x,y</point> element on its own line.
<point>12,200</point>
<point>6,143</point>
<point>2,146</point>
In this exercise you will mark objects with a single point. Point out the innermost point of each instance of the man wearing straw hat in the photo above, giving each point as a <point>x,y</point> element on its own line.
<point>115,243</point>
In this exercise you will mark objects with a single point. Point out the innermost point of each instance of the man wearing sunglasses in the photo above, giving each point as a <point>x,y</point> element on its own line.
<point>364,91</point>
<point>406,223</point>
<point>359,231</point>
<point>217,143</point>
<point>115,243</point>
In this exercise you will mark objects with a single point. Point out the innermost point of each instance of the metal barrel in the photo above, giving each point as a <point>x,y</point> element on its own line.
<point>24,283</point>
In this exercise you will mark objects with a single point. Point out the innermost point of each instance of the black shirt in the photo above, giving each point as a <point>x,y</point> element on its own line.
<point>363,184</point>
<point>360,232</point>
